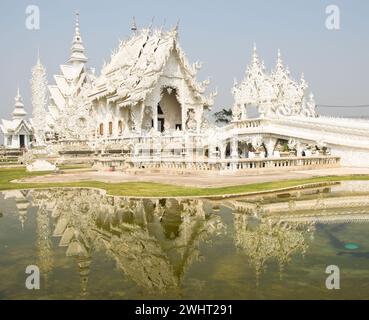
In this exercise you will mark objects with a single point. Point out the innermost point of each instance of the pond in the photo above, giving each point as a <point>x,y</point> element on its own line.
<point>88,245</point>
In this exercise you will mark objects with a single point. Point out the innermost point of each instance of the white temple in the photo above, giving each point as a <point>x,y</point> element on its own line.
<point>18,131</point>
<point>147,111</point>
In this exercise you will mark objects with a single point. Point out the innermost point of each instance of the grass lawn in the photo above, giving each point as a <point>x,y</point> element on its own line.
<point>148,189</point>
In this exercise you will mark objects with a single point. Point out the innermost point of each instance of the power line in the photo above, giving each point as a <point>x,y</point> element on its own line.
<point>329,106</point>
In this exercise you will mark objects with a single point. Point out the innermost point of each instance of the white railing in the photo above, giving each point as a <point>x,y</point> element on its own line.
<point>248,123</point>
<point>280,163</point>
<point>179,163</point>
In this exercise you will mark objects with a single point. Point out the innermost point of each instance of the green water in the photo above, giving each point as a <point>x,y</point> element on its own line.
<point>91,246</point>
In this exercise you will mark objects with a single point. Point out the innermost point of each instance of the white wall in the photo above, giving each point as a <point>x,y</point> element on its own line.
<point>352,157</point>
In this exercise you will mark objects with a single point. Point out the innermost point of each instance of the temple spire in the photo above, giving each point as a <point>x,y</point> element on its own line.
<point>177,25</point>
<point>133,25</point>
<point>19,112</point>
<point>279,59</point>
<point>255,61</point>
<point>38,57</point>
<point>78,50</point>
<point>254,52</point>
<point>280,72</point>
<point>304,84</point>
<point>39,100</point>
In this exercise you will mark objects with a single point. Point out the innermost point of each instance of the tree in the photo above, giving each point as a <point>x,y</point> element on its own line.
<point>223,116</point>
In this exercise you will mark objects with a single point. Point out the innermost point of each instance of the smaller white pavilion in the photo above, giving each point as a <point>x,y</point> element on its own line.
<point>18,131</point>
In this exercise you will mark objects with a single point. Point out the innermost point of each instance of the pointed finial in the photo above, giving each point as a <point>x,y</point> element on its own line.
<point>38,55</point>
<point>177,25</point>
<point>163,26</point>
<point>18,98</point>
<point>133,25</point>
<point>19,111</point>
<point>288,70</point>
<point>303,82</point>
<point>152,22</point>
<point>78,50</point>
<point>279,58</point>
<point>263,65</point>
<point>254,50</point>
<point>77,31</point>
<point>255,57</point>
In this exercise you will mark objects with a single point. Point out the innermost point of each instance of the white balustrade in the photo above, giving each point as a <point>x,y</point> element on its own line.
<point>179,163</point>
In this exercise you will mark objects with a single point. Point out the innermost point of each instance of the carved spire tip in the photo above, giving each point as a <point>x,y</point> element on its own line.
<point>133,24</point>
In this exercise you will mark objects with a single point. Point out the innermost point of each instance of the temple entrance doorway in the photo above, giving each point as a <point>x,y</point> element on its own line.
<point>169,111</point>
<point>161,120</point>
<point>21,141</point>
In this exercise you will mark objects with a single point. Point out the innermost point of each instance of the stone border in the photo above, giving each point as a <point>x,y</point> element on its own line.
<point>209,197</point>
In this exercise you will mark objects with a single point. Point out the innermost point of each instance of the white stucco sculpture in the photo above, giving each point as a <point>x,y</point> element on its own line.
<point>40,165</point>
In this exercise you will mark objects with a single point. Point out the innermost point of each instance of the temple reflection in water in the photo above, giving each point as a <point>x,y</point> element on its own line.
<point>154,242</point>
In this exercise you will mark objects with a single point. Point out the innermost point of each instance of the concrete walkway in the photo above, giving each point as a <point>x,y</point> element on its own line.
<point>201,181</point>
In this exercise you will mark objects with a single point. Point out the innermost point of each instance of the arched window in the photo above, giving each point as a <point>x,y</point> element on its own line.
<point>101,129</point>
<point>110,128</point>
<point>120,126</point>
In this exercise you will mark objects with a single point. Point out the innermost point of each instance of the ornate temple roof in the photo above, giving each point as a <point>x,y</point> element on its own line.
<point>18,122</point>
<point>276,93</point>
<point>136,66</point>
<point>68,92</point>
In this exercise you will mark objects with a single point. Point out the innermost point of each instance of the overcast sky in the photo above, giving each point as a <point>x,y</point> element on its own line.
<point>220,33</point>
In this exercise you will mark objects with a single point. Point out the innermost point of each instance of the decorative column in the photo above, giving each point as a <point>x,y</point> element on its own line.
<point>183,105</point>
<point>234,151</point>
<point>223,150</point>
<point>245,150</point>
<point>115,121</point>
<point>234,148</point>
<point>244,112</point>
<point>212,153</point>
<point>299,149</point>
<point>155,116</point>
<point>270,146</point>
<point>199,115</point>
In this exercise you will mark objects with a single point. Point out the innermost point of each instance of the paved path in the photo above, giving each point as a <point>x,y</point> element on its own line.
<point>201,181</point>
